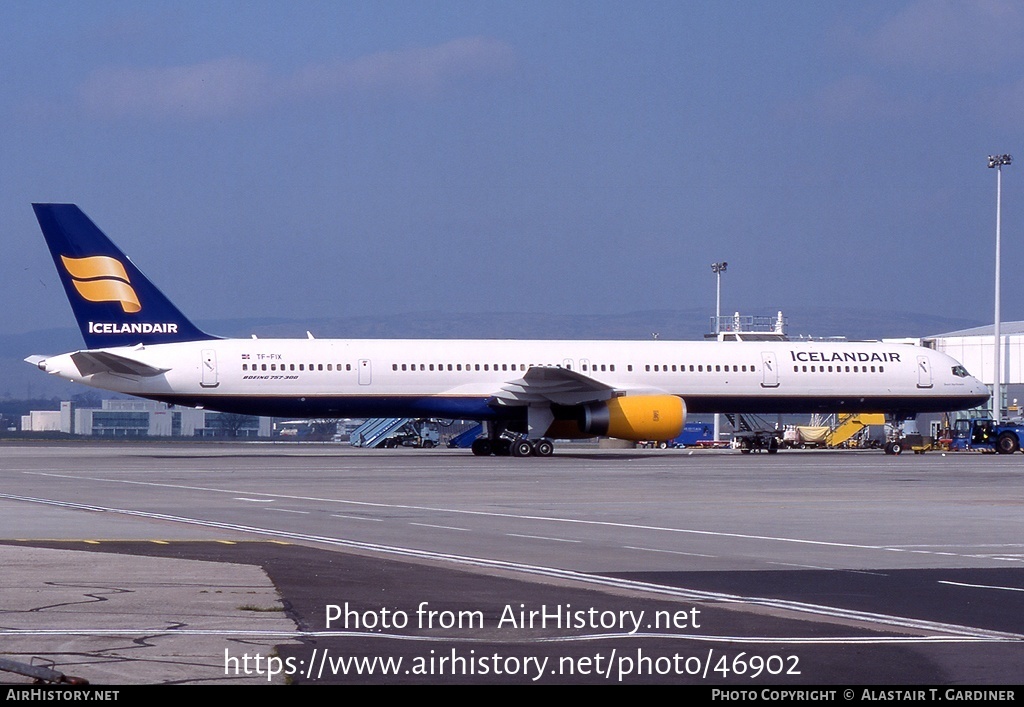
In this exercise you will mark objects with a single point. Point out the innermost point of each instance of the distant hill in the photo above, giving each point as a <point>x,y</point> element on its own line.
<point>687,324</point>
<point>19,380</point>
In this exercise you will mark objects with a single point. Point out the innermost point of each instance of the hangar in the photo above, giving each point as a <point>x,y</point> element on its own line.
<point>974,348</point>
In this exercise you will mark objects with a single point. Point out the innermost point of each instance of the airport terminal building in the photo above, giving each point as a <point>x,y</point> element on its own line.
<point>145,418</point>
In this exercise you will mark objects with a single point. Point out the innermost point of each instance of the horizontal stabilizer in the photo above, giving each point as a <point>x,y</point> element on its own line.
<point>37,361</point>
<point>92,362</point>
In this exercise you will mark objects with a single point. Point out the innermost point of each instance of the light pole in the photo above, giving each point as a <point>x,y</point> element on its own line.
<point>718,269</point>
<point>996,162</point>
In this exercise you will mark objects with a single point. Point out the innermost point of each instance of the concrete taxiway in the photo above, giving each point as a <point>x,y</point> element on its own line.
<point>590,566</point>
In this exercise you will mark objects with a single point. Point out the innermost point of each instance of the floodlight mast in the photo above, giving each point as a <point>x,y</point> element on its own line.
<point>997,162</point>
<point>718,269</point>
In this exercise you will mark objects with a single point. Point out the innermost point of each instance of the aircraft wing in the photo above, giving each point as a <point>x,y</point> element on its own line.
<point>91,362</point>
<point>559,386</point>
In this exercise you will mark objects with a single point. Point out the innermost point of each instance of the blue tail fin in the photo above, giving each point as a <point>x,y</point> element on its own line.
<point>114,303</point>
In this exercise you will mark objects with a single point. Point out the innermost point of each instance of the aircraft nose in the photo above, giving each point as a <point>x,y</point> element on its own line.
<point>981,389</point>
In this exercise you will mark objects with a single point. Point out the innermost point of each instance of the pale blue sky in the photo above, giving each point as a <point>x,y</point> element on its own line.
<point>333,158</point>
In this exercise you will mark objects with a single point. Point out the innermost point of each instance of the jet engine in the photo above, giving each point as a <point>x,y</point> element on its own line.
<point>636,417</point>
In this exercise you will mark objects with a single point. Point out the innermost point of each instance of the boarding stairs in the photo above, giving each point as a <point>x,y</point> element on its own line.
<point>739,423</point>
<point>849,425</point>
<point>464,439</point>
<point>374,431</point>
<point>750,423</point>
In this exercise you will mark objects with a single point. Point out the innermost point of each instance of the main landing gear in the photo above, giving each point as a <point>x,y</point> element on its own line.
<point>512,444</point>
<point>513,448</point>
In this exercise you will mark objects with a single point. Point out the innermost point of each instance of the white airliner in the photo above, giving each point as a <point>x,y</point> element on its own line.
<point>526,392</point>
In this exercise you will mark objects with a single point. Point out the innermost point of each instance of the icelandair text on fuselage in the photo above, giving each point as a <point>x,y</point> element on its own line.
<point>931,694</point>
<point>557,616</point>
<point>133,328</point>
<point>844,356</point>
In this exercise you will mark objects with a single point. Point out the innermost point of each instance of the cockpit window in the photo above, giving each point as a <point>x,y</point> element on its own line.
<point>960,372</point>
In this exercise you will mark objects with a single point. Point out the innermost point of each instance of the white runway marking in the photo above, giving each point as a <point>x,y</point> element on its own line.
<point>803,567</point>
<point>542,537</point>
<point>667,552</point>
<point>442,527</point>
<point>804,640</point>
<point>981,586</point>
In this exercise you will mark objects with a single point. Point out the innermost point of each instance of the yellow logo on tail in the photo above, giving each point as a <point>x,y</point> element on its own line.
<point>100,278</point>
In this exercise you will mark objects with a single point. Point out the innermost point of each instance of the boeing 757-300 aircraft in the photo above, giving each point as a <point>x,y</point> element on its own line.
<point>525,392</point>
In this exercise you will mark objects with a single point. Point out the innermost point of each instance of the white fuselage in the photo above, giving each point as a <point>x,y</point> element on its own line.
<point>465,378</point>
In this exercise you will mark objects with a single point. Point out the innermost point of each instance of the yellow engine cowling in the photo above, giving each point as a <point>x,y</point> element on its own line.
<point>636,417</point>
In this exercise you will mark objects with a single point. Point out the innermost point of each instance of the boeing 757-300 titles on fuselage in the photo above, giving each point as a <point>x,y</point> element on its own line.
<point>526,392</point>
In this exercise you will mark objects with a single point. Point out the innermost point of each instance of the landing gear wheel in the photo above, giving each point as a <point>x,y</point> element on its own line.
<point>501,448</point>
<point>1007,443</point>
<point>522,448</point>
<point>481,447</point>
<point>543,448</point>
<point>892,448</point>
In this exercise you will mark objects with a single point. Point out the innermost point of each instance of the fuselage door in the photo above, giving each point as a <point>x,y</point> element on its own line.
<point>364,371</point>
<point>209,366</point>
<point>567,364</point>
<point>769,370</point>
<point>924,372</point>
<point>585,365</point>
